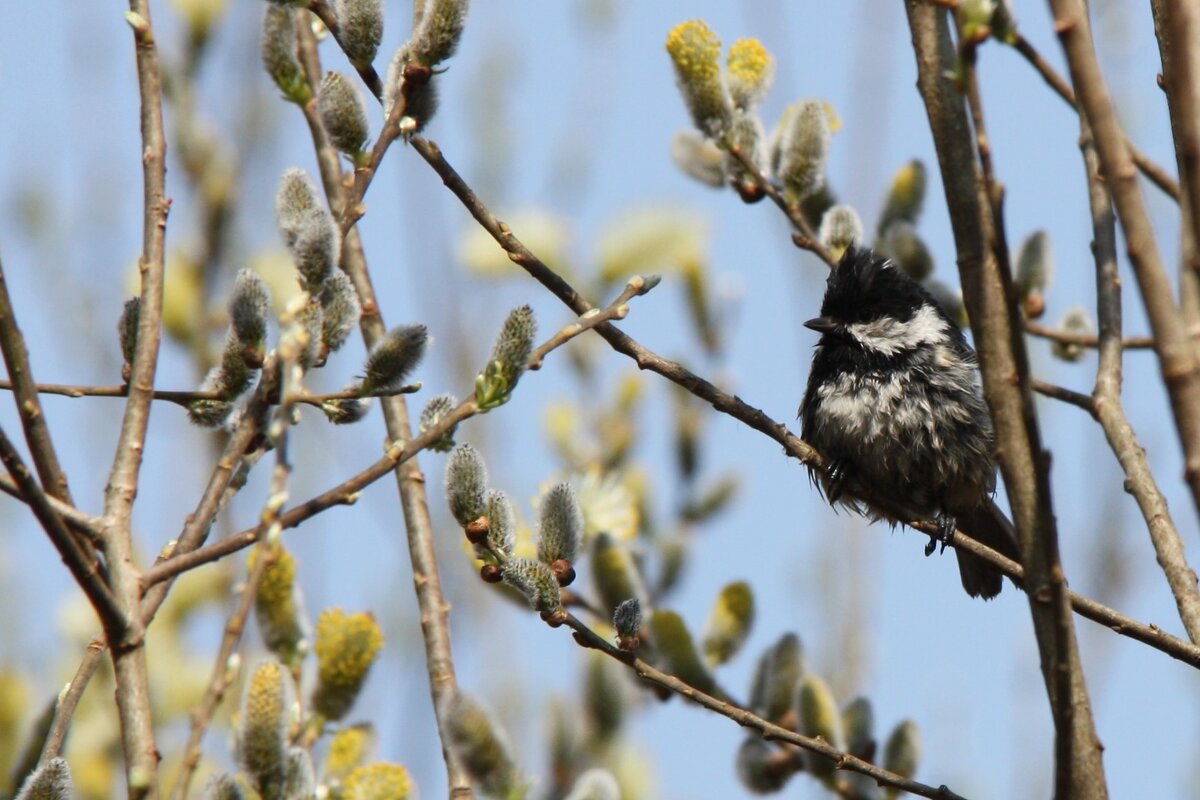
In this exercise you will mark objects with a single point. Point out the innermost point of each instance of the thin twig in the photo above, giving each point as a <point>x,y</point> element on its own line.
<point>79,521</point>
<point>185,398</point>
<point>1084,401</point>
<point>1084,339</point>
<point>64,709</point>
<point>617,310</point>
<point>586,637</point>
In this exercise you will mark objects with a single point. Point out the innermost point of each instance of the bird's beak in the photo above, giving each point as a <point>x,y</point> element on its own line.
<point>821,324</point>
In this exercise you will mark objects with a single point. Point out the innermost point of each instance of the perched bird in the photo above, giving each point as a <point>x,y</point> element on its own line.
<point>893,403</point>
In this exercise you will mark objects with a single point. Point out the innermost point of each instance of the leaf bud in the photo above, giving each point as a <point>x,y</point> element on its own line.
<point>50,781</point>
<point>1076,321</point>
<point>536,582</point>
<point>393,357</point>
<point>362,29</point>
<point>510,354</point>
<point>344,114</point>
<point>778,672</point>
<point>127,328</point>
<point>858,724</point>
<point>841,228</point>
<point>224,787</point>
<point>615,573</point>
<point>803,148</point>
<point>346,646</point>
<point>466,484</point>
<point>818,713</point>
<point>248,306</point>
<point>673,641</point>
<point>763,768</point>
<point>729,623</point>
<point>698,158</point>
<point>502,527</point>
<point>432,414</point>
<point>903,749</point>
<point>436,36</point>
<point>482,746</point>
<point>340,310</point>
<point>560,525</point>
<point>1035,264</point>
<point>906,196</point>
<point>279,54</point>
<point>903,245</point>
<point>627,619</point>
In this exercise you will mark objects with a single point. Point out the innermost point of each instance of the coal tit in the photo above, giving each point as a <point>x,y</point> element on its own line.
<point>893,403</point>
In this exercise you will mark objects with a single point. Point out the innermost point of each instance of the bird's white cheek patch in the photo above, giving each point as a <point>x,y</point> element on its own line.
<point>889,336</point>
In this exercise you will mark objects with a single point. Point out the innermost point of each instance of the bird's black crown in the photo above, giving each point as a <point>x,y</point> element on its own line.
<point>864,287</point>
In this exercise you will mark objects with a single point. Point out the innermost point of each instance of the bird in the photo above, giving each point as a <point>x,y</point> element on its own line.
<point>893,404</point>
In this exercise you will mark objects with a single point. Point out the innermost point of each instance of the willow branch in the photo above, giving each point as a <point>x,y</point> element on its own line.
<point>185,398</point>
<point>1178,362</point>
<point>1084,339</point>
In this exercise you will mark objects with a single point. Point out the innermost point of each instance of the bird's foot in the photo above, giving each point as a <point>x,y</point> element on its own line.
<point>946,525</point>
<point>838,472</point>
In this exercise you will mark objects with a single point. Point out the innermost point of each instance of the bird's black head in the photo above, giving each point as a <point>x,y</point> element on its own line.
<point>871,303</point>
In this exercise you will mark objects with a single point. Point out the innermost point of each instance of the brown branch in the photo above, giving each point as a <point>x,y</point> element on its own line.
<point>974,200</point>
<point>1052,390</point>
<point>64,709</point>
<point>617,310</point>
<point>427,584</point>
<point>1155,173</point>
<point>184,398</point>
<point>1108,409</point>
<point>771,732</point>
<point>1084,339</point>
<point>78,521</point>
<point>1178,361</point>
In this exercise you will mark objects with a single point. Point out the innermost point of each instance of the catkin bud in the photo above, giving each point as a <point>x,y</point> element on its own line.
<point>279,54</point>
<point>747,134</point>
<point>346,411</point>
<point>778,672</point>
<point>1076,321</point>
<point>510,354</point>
<point>309,322</point>
<point>393,357</point>
<point>378,781</point>
<point>346,646</point>
<point>803,147</point>
<point>502,523</point>
<point>627,619</point>
<point>729,624</point>
<point>51,781</point>
<point>903,245</point>
<point>277,606</point>
<point>466,484</point>
<point>595,784</point>
<point>308,230</point>
<point>234,375</point>
<point>750,72</point>
<point>362,29</point>
<point>349,749</point>
<point>841,228</point>
<point>340,310</point>
<point>343,113</point>
<point>248,307</point>
<point>615,573</point>
<point>437,35</point>
<point>695,51</point>
<point>763,768</point>
<point>437,408</point>
<point>265,712</point>
<point>299,778</point>
<point>673,641</point>
<point>224,787</point>
<point>127,328</point>
<point>905,197</point>
<point>536,582</point>
<point>560,525</point>
<point>698,158</point>
<point>208,413</point>
<point>903,749</point>
<point>296,197</point>
<point>950,300</point>
<point>482,747</point>
<point>604,697</point>
<point>818,713</point>
<point>858,724</point>
<point>1035,264</point>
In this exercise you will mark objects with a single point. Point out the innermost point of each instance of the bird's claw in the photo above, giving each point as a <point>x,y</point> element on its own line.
<point>838,472</point>
<point>946,525</point>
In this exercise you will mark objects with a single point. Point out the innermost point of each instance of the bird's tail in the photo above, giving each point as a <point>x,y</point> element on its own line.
<point>987,524</point>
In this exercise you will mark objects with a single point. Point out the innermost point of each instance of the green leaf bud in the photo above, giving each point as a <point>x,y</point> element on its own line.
<point>482,746</point>
<point>746,132</point>
<point>436,36</point>
<point>127,328</point>
<point>279,54</point>
<point>340,310</point>
<point>265,716</point>
<point>803,148</point>
<point>344,114</point>
<point>858,723</point>
<point>975,19</point>
<point>673,641</point>
<point>466,484</point>
<point>437,408</point>
<point>751,70</point>
<point>903,245</point>
<point>595,784</point>
<point>534,580</point>
<point>698,158</point>
<point>277,606</point>
<point>346,411</point>
<point>378,781</point>
<point>393,357</point>
<point>778,672</point>
<point>841,228</point>
<point>560,525</point>
<point>224,787</point>
<point>604,697</point>
<point>502,527</point>
<point>299,779</point>
<point>362,29</point>
<point>346,646</point>
<point>905,197</point>
<point>51,781</point>
<point>729,624</point>
<point>349,749</point>
<point>763,768</point>
<point>510,354</point>
<point>950,301</point>
<point>902,752</point>
<point>627,619</point>
<point>248,307</point>
<point>1035,264</point>
<point>615,574</point>
<point>819,716</point>
<point>1076,321</point>
<point>696,51</point>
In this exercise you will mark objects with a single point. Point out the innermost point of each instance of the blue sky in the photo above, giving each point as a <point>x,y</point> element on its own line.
<point>578,122</point>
